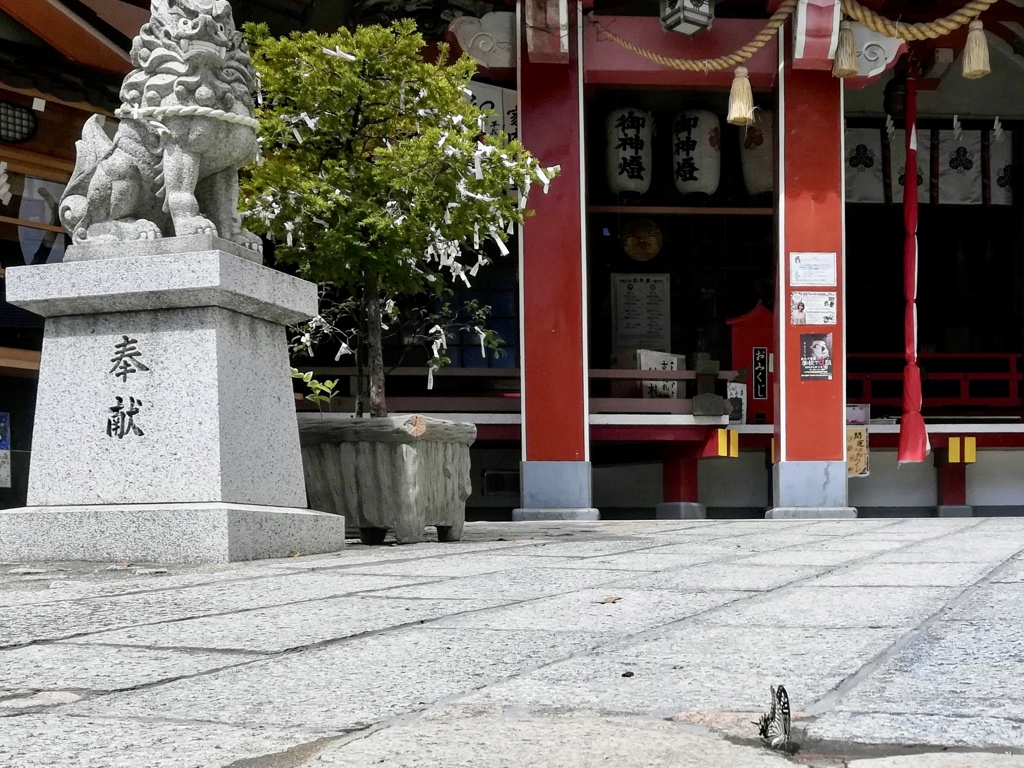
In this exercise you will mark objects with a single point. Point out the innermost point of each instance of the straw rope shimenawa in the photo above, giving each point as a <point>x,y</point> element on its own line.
<point>741,99</point>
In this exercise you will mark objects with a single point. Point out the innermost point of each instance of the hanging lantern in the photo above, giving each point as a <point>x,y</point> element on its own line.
<point>629,150</point>
<point>687,16</point>
<point>696,151</point>
<point>757,148</point>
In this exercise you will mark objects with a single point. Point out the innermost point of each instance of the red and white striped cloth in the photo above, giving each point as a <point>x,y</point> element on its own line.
<point>913,445</point>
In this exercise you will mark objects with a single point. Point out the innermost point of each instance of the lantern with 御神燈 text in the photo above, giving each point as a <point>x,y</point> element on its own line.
<point>696,151</point>
<point>629,150</point>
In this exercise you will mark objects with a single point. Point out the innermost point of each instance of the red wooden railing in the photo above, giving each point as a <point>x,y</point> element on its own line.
<point>967,382</point>
<point>504,396</point>
<point>948,380</point>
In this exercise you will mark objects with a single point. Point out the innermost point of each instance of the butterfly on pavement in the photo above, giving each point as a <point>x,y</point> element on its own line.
<point>774,726</point>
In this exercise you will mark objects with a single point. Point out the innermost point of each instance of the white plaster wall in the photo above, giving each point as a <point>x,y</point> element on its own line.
<point>889,485</point>
<point>632,486</point>
<point>996,479</point>
<point>735,482</point>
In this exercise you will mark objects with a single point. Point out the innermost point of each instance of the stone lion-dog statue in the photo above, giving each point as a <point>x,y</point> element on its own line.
<point>186,128</point>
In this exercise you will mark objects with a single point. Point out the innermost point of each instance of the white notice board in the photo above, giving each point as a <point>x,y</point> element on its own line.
<point>641,317</point>
<point>812,269</point>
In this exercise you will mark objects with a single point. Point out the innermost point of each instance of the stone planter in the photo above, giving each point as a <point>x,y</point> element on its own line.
<point>399,472</point>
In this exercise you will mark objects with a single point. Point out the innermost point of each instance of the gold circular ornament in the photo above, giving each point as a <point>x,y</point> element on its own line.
<point>641,239</point>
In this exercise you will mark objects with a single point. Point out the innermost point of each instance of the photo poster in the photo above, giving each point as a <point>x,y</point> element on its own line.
<point>641,317</point>
<point>816,357</point>
<point>812,307</point>
<point>5,450</point>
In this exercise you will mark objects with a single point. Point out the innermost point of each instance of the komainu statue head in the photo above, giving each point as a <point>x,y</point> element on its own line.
<point>186,129</point>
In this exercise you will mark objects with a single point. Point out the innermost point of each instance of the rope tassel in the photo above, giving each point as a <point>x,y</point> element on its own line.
<point>846,52</point>
<point>741,100</point>
<point>976,53</point>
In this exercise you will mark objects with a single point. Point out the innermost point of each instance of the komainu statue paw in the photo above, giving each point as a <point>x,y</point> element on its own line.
<point>194,225</point>
<point>248,240</point>
<point>120,230</point>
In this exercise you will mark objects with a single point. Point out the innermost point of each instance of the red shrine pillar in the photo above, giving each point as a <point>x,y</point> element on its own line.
<point>809,474</point>
<point>555,473</point>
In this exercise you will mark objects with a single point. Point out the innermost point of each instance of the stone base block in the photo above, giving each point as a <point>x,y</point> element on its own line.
<point>565,513</point>
<point>167,533</point>
<point>955,510</point>
<point>681,510</point>
<point>796,513</point>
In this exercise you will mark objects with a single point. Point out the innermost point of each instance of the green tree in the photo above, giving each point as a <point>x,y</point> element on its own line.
<point>377,178</point>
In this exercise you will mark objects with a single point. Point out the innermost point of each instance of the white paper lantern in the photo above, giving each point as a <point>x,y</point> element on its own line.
<point>757,151</point>
<point>629,150</point>
<point>696,151</point>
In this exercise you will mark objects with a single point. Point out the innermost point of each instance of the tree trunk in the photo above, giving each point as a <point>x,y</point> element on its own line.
<point>374,345</point>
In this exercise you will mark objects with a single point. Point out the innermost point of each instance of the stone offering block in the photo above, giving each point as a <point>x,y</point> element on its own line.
<point>399,472</point>
<point>164,382</point>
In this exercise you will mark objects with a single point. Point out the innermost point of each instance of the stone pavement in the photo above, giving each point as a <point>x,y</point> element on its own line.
<point>620,644</point>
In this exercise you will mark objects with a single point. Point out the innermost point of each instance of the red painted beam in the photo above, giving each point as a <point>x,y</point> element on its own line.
<point>69,34</point>
<point>608,63</point>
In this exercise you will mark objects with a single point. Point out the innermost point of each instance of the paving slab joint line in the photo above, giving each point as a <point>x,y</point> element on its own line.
<point>831,700</point>
<point>233,612</point>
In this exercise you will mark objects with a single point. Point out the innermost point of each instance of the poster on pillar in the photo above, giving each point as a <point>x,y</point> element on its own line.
<point>816,357</point>
<point>812,307</point>
<point>5,450</point>
<point>640,312</point>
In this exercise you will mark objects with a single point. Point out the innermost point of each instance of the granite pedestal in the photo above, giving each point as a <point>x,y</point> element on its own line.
<point>165,422</point>
<point>555,490</point>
